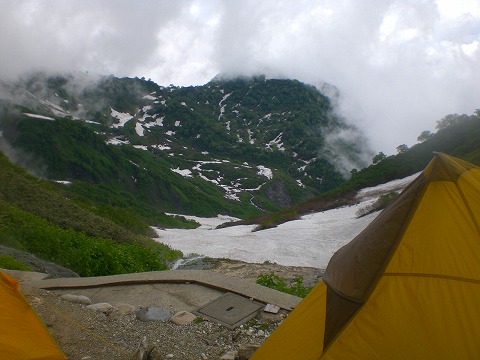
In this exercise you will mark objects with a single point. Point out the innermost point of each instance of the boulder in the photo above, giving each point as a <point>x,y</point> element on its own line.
<point>183,318</point>
<point>229,355</point>
<point>153,314</point>
<point>78,299</point>
<point>246,351</point>
<point>101,307</point>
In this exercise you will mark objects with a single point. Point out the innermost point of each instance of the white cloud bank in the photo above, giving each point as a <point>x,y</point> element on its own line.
<point>400,65</point>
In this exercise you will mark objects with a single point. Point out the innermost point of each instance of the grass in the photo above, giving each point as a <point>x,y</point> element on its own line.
<point>295,287</point>
<point>36,219</point>
<point>10,263</point>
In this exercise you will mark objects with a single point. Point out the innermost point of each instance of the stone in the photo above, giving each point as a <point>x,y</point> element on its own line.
<point>124,309</point>
<point>203,356</point>
<point>153,314</point>
<point>246,351</point>
<point>101,307</point>
<point>229,355</point>
<point>78,299</point>
<point>183,318</point>
<point>273,309</point>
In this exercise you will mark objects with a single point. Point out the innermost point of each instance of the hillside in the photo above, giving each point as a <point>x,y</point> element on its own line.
<point>457,137</point>
<point>233,146</point>
<point>37,219</point>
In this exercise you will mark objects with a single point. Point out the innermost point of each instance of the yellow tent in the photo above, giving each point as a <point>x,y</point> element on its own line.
<point>22,333</point>
<point>407,287</point>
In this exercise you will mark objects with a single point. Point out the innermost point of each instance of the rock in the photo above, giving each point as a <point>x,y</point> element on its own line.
<point>203,356</point>
<point>152,314</point>
<point>140,352</point>
<point>260,333</point>
<point>183,318</point>
<point>229,355</point>
<point>101,307</point>
<point>124,309</point>
<point>35,301</point>
<point>270,308</point>
<point>78,299</point>
<point>246,351</point>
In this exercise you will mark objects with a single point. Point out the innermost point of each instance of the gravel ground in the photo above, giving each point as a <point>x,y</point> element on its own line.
<point>86,334</point>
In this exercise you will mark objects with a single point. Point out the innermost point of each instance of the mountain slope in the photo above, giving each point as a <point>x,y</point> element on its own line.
<point>35,218</point>
<point>238,146</point>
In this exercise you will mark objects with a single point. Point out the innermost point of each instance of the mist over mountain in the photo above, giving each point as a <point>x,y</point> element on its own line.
<point>264,143</point>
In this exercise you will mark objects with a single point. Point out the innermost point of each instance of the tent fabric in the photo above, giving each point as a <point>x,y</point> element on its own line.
<point>22,333</point>
<point>408,286</point>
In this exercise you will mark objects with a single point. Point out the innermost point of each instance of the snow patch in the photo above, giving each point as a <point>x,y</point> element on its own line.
<point>161,147</point>
<point>264,171</point>
<point>122,118</point>
<point>139,129</point>
<point>276,142</point>
<point>309,241</point>
<point>149,97</point>
<point>220,104</point>
<point>117,141</point>
<point>37,116</point>
<point>184,172</point>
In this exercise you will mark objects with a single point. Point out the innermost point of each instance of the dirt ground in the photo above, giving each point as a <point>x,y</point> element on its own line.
<point>86,334</point>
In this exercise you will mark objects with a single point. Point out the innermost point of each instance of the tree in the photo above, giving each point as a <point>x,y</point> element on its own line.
<point>402,149</point>
<point>379,157</point>
<point>447,121</point>
<point>425,135</point>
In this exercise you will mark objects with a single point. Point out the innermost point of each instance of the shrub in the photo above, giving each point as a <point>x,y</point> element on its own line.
<point>381,203</point>
<point>295,287</point>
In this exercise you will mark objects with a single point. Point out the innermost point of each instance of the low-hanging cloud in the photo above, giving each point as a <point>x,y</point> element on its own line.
<point>400,65</point>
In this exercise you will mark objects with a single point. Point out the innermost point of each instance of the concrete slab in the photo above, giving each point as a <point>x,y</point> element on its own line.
<point>204,278</point>
<point>230,310</point>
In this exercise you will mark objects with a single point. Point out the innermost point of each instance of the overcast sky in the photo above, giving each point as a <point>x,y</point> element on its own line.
<point>400,65</point>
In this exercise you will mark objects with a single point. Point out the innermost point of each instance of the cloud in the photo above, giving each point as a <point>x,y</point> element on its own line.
<point>400,65</point>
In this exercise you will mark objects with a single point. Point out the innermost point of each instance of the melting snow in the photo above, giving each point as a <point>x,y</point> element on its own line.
<point>36,116</point>
<point>117,141</point>
<point>150,97</point>
<point>139,129</point>
<point>177,123</point>
<point>264,171</point>
<point>123,118</point>
<point>184,173</point>
<point>161,147</point>
<point>220,104</point>
<point>310,241</point>
<point>141,147</point>
<point>277,141</point>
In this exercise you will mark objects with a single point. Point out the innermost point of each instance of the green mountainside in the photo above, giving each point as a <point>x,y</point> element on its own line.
<point>35,218</point>
<point>457,135</point>
<point>240,146</point>
<point>87,165</point>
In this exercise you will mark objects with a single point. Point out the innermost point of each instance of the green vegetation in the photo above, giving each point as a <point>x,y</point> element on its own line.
<point>381,203</point>
<point>35,218</point>
<point>295,287</point>
<point>10,263</point>
<point>281,124</point>
<point>86,255</point>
